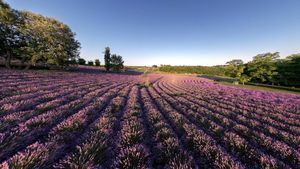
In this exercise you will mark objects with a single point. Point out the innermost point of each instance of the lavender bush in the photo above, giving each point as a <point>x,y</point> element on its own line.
<point>82,120</point>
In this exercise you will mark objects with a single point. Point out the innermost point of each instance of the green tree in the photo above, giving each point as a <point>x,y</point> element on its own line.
<point>263,67</point>
<point>34,39</point>
<point>244,78</point>
<point>107,59</point>
<point>81,61</point>
<point>90,63</point>
<point>289,70</point>
<point>10,35</point>
<point>97,62</point>
<point>117,62</point>
<point>207,70</point>
<point>50,41</point>
<point>235,68</point>
<point>235,62</point>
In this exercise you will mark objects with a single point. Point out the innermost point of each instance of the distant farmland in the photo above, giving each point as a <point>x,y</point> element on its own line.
<point>99,120</point>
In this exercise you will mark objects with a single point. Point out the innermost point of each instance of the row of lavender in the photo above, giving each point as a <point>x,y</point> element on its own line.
<point>49,114</point>
<point>259,137</point>
<point>108,121</point>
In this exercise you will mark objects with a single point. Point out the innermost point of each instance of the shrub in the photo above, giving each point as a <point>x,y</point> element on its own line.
<point>81,61</point>
<point>97,62</point>
<point>90,63</point>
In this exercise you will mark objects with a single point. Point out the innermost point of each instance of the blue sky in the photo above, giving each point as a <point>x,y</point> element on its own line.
<point>177,32</point>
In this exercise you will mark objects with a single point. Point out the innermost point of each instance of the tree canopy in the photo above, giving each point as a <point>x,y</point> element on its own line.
<point>33,38</point>
<point>207,70</point>
<point>289,70</point>
<point>263,68</point>
<point>97,62</point>
<point>267,68</point>
<point>235,68</point>
<point>117,62</point>
<point>114,61</point>
<point>81,61</point>
<point>90,63</point>
<point>107,59</point>
<point>10,32</point>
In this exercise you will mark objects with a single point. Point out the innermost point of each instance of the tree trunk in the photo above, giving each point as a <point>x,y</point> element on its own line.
<point>22,63</point>
<point>8,60</point>
<point>27,67</point>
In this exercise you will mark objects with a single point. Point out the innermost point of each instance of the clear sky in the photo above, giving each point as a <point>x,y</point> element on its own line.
<point>177,32</point>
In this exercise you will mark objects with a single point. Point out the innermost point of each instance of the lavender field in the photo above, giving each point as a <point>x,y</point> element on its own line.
<point>87,120</point>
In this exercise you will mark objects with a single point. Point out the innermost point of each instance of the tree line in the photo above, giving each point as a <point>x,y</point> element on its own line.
<point>207,70</point>
<point>267,68</point>
<point>112,62</point>
<point>34,39</point>
<point>82,61</point>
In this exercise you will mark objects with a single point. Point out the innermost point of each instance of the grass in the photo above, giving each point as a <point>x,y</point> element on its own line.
<point>230,82</point>
<point>264,88</point>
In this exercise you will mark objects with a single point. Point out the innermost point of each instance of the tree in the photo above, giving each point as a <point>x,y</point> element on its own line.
<point>289,70</point>
<point>10,35</point>
<point>235,68</point>
<point>235,62</point>
<point>90,63</point>
<point>204,70</point>
<point>34,38</point>
<point>117,62</point>
<point>81,61</point>
<point>97,62</point>
<point>49,41</point>
<point>107,59</point>
<point>263,68</point>
<point>244,78</point>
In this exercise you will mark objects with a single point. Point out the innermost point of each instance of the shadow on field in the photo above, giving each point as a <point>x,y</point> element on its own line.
<point>101,70</point>
<point>249,85</point>
<point>218,78</point>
